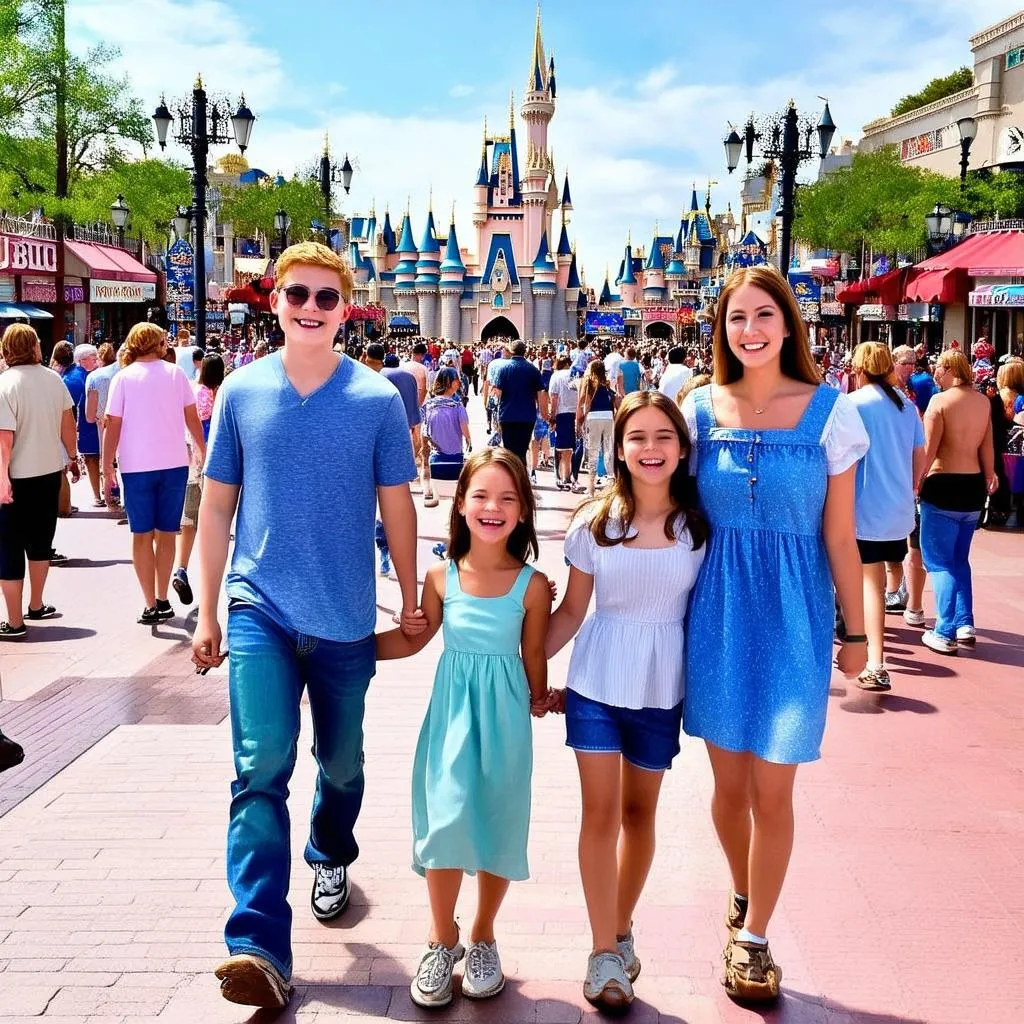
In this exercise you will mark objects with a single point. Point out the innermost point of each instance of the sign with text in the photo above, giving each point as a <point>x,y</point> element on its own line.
<point>121,291</point>
<point>42,290</point>
<point>20,255</point>
<point>181,278</point>
<point>997,295</point>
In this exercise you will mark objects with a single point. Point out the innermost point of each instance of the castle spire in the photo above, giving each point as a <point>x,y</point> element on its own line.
<point>538,81</point>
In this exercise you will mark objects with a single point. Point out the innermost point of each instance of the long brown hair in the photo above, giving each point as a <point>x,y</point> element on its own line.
<point>874,360</point>
<point>618,502</point>
<point>522,541</point>
<point>796,361</point>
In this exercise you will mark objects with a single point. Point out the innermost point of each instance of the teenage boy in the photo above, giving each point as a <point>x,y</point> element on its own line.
<point>311,441</point>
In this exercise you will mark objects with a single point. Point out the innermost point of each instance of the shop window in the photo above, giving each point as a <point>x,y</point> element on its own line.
<point>1014,57</point>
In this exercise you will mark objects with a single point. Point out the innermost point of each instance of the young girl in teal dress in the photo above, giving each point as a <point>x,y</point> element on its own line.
<point>471,774</point>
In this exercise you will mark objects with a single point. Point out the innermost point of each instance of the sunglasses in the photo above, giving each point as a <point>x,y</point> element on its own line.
<point>298,294</point>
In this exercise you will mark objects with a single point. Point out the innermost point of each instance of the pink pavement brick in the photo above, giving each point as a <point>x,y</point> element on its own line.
<point>20,998</point>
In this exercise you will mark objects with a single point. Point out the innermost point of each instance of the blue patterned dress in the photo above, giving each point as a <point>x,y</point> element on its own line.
<point>759,644</point>
<point>474,758</point>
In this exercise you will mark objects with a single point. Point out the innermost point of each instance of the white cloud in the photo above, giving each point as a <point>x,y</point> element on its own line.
<point>633,145</point>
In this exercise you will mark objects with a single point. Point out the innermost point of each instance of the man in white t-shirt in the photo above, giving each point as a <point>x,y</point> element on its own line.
<point>612,362</point>
<point>676,374</point>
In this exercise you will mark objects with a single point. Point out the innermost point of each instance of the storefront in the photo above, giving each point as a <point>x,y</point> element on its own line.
<point>997,313</point>
<point>117,288</point>
<point>28,268</point>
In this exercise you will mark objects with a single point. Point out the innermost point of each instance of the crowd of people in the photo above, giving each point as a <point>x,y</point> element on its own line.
<point>737,476</point>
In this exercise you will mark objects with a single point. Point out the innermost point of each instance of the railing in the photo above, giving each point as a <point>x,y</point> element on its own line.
<point>1009,224</point>
<point>10,224</point>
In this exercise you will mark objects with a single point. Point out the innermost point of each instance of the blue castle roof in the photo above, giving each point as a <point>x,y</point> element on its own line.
<point>452,256</point>
<point>482,177</point>
<point>564,249</point>
<point>656,260</point>
<point>627,276</point>
<point>406,245</point>
<point>566,197</point>
<point>606,294</point>
<point>501,243</point>
<point>574,274</point>
<point>388,233</point>
<point>693,200</point>
<point>544,260</point>
<point>430,243</point>
<point>551,78</point>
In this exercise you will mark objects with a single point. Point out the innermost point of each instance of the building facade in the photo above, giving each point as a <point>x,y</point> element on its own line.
<point>522,279</point>
<point>928,137</point>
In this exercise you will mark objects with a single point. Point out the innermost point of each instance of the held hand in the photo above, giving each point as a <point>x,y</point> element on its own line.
<point>851,659</point>
<point>75,470</point>
<point>6,490</point>
<point>206,641</point>
<point>993,484</point>
<point>553,701</point>
<point>412,622</point>
<point>553,587</point>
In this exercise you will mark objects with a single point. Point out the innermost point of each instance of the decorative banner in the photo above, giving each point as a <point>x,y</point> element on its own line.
<point>686,316</point>
<point>805,288</point>
<point>706,328</point>
<point>20,255</point>
<point>919,145</point>
<point>652,313</point>
<point>181,281</point>
<point>630,314</point>
<point>44,291</point>
<point>121,291</point>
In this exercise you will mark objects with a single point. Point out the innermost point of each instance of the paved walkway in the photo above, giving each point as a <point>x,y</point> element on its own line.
<point>903,901</point>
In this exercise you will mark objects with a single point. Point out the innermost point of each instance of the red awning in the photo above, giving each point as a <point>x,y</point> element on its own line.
<point>943,278</point>
<point>946,287</point>
<point>885,289</point>
<point>107,263</point>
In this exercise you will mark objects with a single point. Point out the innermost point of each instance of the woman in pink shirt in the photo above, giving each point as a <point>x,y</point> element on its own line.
<point>149,407</point>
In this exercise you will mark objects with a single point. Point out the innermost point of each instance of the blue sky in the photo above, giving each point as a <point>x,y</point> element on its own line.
<point>645,89</point>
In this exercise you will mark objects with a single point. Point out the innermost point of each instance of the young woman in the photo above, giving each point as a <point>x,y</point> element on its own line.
<point>639,548</point>
<point>775,452</point>
<point>885,490</point>
<point>471,775</point>
<point>960,474</point>
<point>149,408</point>
<point>596,409</point>
<point>445,432</point>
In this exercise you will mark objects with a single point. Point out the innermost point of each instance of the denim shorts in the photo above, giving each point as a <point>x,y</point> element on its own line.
<point>646,737</point>
<point>154,500</point>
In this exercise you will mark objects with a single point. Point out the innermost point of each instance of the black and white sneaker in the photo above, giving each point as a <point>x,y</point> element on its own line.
<point>164,610</point>
<point>330,892</point>
<point>9,632</point>
<point>149,617</point>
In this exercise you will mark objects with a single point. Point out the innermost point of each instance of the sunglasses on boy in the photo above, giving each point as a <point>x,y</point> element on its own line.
<point>298,294</point>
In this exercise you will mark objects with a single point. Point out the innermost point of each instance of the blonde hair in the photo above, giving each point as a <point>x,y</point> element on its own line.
<point>957,363</point>
<point>1011,375</point>
<point>143,340</point>
<point>106,353</point>
<point>314,254</point>
<point>874,360</point>
<point>698,380</point>
<point>18,345</point>
<point>796,359</point>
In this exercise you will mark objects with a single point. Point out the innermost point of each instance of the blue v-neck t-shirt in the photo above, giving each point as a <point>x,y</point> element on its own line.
<point>308,470</point>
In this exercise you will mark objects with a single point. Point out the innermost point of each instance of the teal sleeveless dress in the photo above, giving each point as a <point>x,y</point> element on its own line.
<point>474,758</point>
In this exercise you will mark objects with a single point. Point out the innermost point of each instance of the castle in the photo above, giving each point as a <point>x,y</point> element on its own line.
<point>524,281</point>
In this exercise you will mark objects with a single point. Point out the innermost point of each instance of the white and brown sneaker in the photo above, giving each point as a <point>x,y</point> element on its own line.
<point>751,975</point>
<point>253,981</point>
<point>736,913</point>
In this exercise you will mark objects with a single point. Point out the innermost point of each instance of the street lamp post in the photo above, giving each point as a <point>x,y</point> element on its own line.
<point>330,174</point>
<point>968,129</point>
<point>119,212</point>
<point>200,126</point>
<point>282,222</point>
<point>787,139</point>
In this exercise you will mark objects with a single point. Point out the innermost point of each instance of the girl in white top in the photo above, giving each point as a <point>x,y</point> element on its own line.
<point>639,548</point>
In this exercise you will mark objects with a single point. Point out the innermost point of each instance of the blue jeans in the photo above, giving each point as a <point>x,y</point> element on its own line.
<point>945,547</point>
<point>268,668</point>
<point>380,538</point>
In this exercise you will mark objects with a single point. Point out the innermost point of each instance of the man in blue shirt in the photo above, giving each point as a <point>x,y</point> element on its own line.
<point>304,443</point>
<point>516,386</point>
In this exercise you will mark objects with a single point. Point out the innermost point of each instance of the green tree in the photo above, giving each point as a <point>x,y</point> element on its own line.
<point>936,89</point>
<point>251,208</point>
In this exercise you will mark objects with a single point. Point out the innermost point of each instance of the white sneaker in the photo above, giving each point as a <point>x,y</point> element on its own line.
<point>483,977</point>
<point>627,951</point>
<point>607,987</point>
<point>937,643</point>
<point>912,618</point>
<point>432,986</point>
<point>966,637</point>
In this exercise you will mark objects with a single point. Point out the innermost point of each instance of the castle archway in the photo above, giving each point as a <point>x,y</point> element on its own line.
<point>659,330</point>
<point>499,327</point>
